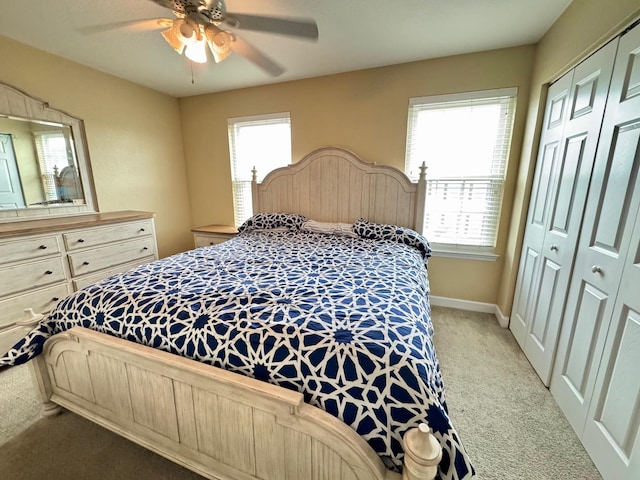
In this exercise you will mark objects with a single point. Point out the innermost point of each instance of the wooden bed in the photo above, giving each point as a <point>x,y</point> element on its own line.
<point>224,425</point>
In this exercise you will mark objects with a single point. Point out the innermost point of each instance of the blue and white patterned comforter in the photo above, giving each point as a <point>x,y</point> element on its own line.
<point>346,321</point>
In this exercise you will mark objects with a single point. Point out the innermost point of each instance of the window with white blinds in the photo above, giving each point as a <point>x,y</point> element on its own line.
<point>464,139</point>
<point>261,141</point>
<point>52,157</point>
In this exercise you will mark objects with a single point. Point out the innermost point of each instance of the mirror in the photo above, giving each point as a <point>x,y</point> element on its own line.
<point>44,162</point>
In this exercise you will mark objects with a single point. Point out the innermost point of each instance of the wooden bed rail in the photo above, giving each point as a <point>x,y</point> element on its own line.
<point>219,424</point>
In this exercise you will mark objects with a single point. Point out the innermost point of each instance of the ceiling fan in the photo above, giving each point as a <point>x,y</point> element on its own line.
<point>202,23</point>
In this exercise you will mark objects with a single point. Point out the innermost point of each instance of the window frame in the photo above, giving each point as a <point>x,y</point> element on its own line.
<point>256,120</point>
<point>507,97</point>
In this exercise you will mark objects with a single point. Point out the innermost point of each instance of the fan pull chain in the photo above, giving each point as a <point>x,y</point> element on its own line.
<point>192,80</point>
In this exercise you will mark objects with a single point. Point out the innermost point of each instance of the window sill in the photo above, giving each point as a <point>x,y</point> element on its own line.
<point>484,254</point>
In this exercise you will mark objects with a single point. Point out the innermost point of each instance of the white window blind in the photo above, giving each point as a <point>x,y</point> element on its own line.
<point>51,149</point>
<point>464,139</point>
<point>263,142</point>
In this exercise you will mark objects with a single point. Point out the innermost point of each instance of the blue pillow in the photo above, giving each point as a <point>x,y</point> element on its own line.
<point>393,233</point>
<point>263,221</point>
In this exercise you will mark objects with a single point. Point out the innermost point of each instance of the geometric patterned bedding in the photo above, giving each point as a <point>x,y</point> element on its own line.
<point>345,321</point>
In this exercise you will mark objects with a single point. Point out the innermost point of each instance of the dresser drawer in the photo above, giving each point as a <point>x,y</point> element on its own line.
<point>29,248</point>
<point>103,235</point>
<point>89,261</point>
<point>83,281</point>
<point>31,275</point>
<point>42,301</point>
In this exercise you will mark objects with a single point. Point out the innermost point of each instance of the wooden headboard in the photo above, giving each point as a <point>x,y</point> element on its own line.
<point>333,185</point>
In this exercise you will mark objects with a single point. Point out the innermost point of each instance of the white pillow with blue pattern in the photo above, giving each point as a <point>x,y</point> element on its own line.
<point>393,233</point>
<point>269,221</point>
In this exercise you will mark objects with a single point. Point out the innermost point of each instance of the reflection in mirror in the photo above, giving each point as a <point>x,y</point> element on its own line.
<point>44,160</point>
<point>39,165</point>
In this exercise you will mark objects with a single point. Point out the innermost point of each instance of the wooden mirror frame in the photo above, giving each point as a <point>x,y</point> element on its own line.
<point>16,103</point>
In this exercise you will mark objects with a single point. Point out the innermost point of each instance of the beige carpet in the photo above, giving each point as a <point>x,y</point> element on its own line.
<point>510,424</point>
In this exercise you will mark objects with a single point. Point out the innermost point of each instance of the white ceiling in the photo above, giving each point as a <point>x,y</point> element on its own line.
<point>353,35</point>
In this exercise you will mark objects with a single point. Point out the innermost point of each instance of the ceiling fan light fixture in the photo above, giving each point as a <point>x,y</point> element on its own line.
<point>185,32</point>
<point>197,52</point>
<point>219,43</point>
<point>173,40</point>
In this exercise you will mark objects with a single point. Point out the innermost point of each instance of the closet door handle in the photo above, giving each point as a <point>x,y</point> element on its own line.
<point>553,248</point>
<point>596,269</point>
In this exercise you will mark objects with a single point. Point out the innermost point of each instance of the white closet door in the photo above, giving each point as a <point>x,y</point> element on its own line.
<point>612,432</point>
<point>605,239</point>
<point>555,223</point>
<point>556,110</point>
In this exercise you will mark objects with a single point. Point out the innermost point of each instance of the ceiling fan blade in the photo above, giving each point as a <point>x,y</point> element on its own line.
<point>132,26</point>
<point>254,55</point>
<point>303,28</point>
<point>165,3</point>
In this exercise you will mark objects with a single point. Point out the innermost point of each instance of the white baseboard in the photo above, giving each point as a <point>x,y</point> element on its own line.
<point>472,306</point>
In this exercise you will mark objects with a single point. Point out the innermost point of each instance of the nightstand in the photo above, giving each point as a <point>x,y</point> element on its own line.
<point>212,234</point>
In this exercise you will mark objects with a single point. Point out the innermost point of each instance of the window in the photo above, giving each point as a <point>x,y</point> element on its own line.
<point>464,140</point>
<point>263,142</point>
<point>52,157</point>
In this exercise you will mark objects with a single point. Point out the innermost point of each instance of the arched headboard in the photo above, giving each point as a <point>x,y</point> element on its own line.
<point>333,185</point>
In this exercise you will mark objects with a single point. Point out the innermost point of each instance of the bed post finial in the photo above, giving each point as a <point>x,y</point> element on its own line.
<point>422,453</point>
<point>421,193</point>
<point>423,172</point>
<point>254,191</point>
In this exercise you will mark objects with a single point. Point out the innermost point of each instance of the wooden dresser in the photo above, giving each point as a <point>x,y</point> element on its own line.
<point>43,261</point>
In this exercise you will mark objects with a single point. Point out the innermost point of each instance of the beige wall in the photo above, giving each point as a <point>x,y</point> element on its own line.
<point>366,112</point>
<point>583,27</point>
<point>133,133</point>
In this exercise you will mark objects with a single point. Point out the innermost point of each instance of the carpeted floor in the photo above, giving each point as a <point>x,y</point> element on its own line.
<point>510,424</point>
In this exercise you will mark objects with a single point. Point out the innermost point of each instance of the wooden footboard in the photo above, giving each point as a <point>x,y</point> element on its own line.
<point>219,424</point>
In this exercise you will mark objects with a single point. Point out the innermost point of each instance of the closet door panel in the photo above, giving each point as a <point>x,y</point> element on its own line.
<point>585,340</point>
<point>605,239</point>
<point>566,200</point>
<point>612,431</point>
<point>556,112</point>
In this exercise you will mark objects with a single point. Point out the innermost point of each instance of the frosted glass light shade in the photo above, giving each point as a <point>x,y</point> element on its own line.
<point>172,39</point>
<point>219,43</point>
<point>197,52</point>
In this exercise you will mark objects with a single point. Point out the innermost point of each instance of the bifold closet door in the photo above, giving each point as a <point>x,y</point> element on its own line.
<point>541,194</point>
<point>574,111</point>
<point>612,432</point>
<point>596,377</point>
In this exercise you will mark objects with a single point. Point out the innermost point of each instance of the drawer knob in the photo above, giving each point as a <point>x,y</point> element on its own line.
<point>81,240</point>
<point>142,229</point>
<point>596,269</point>
<point>145,248</point>
<point>42,247</point>
<point>85,263</point>
<point>554,248</point>
<point>48,272</point>
<point>55,299</point>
